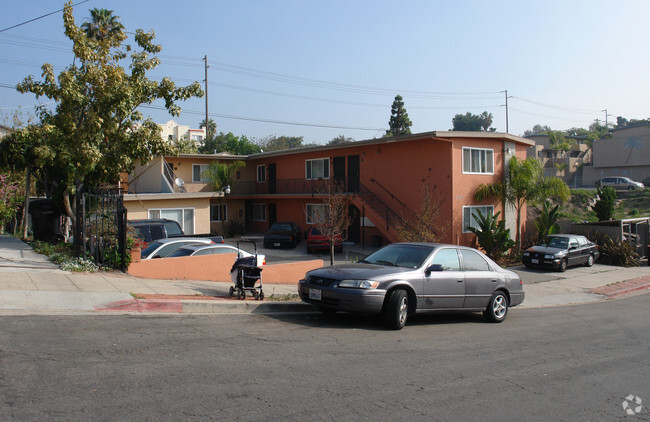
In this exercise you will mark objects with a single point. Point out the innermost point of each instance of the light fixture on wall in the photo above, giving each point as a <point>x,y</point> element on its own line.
<point>508,150</point>
<point>226,190</point>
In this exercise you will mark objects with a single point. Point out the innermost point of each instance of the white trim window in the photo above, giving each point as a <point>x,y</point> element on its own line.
<point>261,173</point>
<point>316,213</point>
<point>317,169</point>
<point>258,212</point>
<point>199,172</point>
<point>183,216</point>
<point>218,213</point>
<point>470,214</point>
<point>478,161</point>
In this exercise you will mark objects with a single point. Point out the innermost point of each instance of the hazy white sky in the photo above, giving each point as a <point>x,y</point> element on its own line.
<point>322,69</point>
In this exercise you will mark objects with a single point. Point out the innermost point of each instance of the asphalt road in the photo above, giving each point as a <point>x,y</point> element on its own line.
<point>562,364</point>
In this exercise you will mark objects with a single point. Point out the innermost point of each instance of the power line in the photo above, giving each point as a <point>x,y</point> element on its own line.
<point>256,119</point>
<point>40,17</point>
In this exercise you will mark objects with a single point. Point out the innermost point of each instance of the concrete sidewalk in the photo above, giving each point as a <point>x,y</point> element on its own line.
<point>30,284</point>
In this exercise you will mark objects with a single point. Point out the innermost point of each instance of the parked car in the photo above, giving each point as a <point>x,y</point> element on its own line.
<point>282,234</point>
<point>200,250</point>
<point>153,229</point>
<point>406,278</point>
<point>619,183</point>
<point>317,241</point>
<point>162,247</point>
<point>561,251</point>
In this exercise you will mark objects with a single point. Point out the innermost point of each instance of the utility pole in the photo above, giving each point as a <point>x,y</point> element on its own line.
<point>506,92</point>
<point>606,118</point>
<point>206,95</point>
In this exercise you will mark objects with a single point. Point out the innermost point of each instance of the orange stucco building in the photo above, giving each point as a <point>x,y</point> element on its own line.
<point>384,180</point>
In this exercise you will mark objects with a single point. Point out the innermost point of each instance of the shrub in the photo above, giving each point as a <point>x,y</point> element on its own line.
<point>621,254</point>
<point>492,235</point>
<point>604,206</point>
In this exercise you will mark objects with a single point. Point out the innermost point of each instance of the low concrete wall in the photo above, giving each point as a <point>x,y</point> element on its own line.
<point>217,268</point>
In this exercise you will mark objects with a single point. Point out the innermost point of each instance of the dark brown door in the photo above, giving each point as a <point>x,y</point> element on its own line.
<point>354,173</point>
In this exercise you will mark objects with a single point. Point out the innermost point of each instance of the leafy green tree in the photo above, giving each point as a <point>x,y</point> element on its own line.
<point>492,235</point>
<point>103,24</point>
<point>279,143</point>
<point>399,122</point>
<point>604,206</point>
<point>227,142</point>
<point>186,146</point>
<point>537,130</point>
<point>212,127</point>
<point>96,131</point>
<point>473,122</point>
<point>546,223</point>
<point>220,174</point>
<point>524,181</point>
<point>340,140</point>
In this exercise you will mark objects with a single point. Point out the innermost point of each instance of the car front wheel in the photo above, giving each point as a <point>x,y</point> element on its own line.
<point>563,265</point>
<point>396,310</point>
<point>497,309</point>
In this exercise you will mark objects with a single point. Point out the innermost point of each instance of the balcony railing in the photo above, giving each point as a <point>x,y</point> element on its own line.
<point>282,187</point>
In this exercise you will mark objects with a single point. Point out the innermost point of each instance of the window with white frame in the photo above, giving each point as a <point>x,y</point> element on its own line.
<point>470,215</point>
<point>316,213</point>
<point>218,212</point>
<point>199,172</point>
<point>197,138</point>
<point>258,212</point>
<point>478,160</point>
<point>183,216</point>
<point>317,169</point>
<point>261,173</point>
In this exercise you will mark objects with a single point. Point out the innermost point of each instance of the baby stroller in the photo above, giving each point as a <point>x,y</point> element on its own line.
<point>245,275</point>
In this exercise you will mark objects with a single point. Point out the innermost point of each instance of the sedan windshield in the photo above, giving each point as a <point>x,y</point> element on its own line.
<point>150,248</point>
<point>409,256</point>
<point>559,242</point>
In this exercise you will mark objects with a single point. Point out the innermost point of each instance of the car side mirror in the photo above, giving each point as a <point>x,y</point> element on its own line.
<point>434,267</point>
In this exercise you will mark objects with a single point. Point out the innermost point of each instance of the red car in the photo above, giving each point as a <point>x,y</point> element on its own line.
<point>317,241</point>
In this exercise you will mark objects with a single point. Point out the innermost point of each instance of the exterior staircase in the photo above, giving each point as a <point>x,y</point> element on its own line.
<point>379,212</point>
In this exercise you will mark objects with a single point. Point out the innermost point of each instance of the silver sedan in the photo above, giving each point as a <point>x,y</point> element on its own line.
<point>406,278</point>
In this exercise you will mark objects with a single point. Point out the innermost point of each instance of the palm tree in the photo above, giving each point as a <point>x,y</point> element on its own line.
<point>524,181</point>
<point>633,142</point>
<point>212,127</point>
<point>103,24</point>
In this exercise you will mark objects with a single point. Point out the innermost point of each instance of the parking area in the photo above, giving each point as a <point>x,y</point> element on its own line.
<point>350,253</point>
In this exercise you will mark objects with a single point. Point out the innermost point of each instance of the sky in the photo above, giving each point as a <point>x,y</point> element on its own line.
<point>320,69</point>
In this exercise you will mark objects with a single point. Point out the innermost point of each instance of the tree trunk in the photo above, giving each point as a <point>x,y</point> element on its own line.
<point>68,207</point>
<point>331,251</point>
<point>28,181</point>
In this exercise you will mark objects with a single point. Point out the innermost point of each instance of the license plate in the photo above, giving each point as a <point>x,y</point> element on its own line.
<point>315,294</point>
<point>535,261</point>
<point>276,244</point>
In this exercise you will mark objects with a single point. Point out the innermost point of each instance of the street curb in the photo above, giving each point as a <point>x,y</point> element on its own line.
<point>203,306</point>
<point>623,287</point>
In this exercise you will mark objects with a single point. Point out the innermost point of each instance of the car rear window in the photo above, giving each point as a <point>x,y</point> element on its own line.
<point>181,252</point>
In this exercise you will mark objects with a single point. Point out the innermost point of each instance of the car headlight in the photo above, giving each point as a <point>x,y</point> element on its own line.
<point>526,253</point>
<point>549,256</point>
<point>359,284</point>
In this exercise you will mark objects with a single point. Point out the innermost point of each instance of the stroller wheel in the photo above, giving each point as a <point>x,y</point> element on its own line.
<point>242,294</point>
<point>256,295</point>
<point>231,291</point>
<point>261,295</point>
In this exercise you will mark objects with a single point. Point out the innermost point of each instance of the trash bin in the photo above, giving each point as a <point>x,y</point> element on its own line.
<point>45,216</point>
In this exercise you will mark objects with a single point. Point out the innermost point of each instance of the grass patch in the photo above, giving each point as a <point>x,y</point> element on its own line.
<point>289,297</point>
